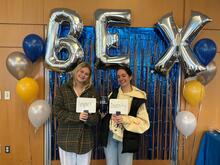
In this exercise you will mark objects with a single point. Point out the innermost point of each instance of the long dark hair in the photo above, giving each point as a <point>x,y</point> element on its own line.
<point>126,69</point>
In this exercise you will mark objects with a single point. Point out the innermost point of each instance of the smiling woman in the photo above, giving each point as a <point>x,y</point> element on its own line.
<point>75,137</point>
<point>120,133</point>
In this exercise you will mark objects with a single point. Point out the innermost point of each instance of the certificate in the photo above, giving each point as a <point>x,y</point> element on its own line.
<point>85,104</point>
<point>118,105</point>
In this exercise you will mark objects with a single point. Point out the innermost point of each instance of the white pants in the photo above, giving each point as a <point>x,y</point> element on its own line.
<point>71,158</point>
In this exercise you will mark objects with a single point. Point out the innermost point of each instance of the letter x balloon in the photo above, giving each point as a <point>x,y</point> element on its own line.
<point>179,44</point>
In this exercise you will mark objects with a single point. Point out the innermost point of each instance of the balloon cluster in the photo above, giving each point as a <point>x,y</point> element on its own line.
<point>196,63</point>
<point>20,65</point>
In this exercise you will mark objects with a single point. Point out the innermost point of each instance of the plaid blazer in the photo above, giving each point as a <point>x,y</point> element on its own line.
<point>73,135</point>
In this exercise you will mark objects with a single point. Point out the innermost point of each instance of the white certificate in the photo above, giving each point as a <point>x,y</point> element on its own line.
<point>86,104</point>
<point>118,105</point>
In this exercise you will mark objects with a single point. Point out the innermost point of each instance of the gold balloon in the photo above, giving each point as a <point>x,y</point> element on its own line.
<point>27,88</point>
<point>193,92</point>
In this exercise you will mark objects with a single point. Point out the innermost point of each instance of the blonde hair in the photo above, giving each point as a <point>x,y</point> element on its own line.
<point>88,83</point>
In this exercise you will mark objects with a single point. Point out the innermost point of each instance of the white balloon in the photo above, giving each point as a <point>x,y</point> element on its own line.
<point>186,122</point>
<point>39,111</point>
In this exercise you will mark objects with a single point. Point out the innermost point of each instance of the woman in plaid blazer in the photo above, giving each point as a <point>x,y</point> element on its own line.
<point>75,136</point>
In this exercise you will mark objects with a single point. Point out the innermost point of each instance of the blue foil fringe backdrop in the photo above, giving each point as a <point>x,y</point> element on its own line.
<point>144,46</point>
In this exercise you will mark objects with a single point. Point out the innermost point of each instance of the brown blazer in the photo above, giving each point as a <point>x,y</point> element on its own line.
<point>73,135</point>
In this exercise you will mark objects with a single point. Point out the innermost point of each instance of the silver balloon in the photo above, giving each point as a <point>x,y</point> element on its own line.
<point>70,43</point>
<point>186,122</point>
<point>38,112</point>
<point>104,40</point>
<point>179,44</point>
<point>206,76</point>
<point>18,65</point>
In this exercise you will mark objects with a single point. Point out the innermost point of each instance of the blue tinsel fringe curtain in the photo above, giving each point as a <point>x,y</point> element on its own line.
<point>144,46</point>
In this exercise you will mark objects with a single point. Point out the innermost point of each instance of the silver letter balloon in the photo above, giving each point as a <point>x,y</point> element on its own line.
<point>179,41</point>
<point>69,42</point>
<point>104,40</point>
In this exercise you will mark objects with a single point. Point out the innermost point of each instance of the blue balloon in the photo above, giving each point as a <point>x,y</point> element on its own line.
<point>33,46</point>
<point>205,50</point>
